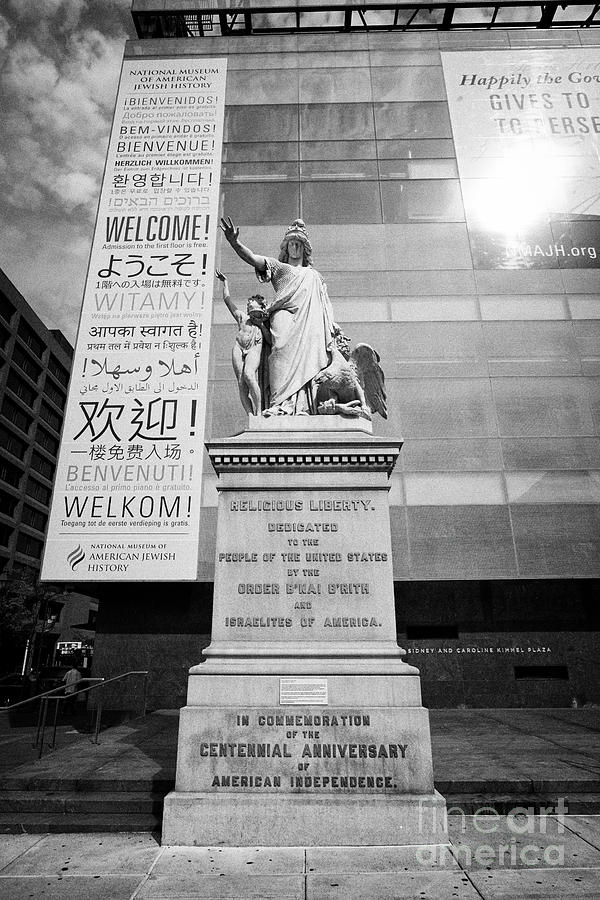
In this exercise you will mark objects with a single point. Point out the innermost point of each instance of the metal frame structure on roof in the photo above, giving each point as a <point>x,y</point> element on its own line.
<point>221,19</point>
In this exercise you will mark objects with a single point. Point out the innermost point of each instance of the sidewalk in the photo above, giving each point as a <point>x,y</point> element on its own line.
<point>490,859</point>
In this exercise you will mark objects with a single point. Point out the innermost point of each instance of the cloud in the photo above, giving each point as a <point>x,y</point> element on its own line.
<point>26,197</point>
<point>47,261</point>
<point>58,78</point>
<point>64,13</point>
<point>75,188</point>
<point>63,109</point>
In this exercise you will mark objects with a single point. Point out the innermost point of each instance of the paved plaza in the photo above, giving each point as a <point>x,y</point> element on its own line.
<point>490,858</point>
<point>524,751</point>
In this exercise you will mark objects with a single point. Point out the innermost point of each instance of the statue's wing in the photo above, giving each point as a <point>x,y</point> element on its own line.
<point>371,377</point>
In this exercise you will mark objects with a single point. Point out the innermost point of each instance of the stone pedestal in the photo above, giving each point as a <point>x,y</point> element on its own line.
<point>304,726</point>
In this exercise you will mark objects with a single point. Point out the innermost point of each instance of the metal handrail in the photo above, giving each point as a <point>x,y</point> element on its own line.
<point>61,687</point>
<point>10,675</point>
<point>41,729</point>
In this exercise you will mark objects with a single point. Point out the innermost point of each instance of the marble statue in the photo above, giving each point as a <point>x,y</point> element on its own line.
<point>309,369</point>
<point>247,355</point>
<point>353,383</point>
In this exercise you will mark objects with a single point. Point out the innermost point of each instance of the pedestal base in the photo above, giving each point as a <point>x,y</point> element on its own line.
<point>355,769</point>
<point>238,820</point>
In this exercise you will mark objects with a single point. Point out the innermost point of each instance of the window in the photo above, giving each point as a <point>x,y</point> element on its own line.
<point>54,394</point>
<point>41,464</point>
<point>20,388</point>
<point>8,503</point>
<point>49,416</point>
<point>7,309</point>
<point>58,371</point>
<point>268,201</point>
<point>244,124</point>
<point>559,672</point>
<point>329,121</point>
<point>9,473</point>
<point>53,610</point>
<point>5,535</point>
<point>339,169</point>
<point>45,440</point>
<point>276,151</point>
<point>22,360</point>
<point>16,415</point>
<point>341,201</point>
<point>29,545</point>
<point>29,337</point>
<point>260,171</point>
<point>34,518</point>
<point>37,490</point>
<point>413,120</point>
<point>12,444</point>
<point>422,201</point>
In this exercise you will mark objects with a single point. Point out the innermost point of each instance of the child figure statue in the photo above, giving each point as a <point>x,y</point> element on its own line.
<point>247,353</point>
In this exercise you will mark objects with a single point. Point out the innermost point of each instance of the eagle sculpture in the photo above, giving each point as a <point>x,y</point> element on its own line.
<point>353,383</point>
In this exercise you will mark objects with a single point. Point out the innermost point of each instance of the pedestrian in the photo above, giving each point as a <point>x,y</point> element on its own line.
<point>71,681</point>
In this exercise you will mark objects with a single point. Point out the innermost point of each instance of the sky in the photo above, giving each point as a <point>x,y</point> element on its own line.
<point>59,68</point>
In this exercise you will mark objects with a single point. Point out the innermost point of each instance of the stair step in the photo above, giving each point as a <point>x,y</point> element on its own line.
<point>57,823</point>
<point>86,784</point>
<point>73,802</point>
<point>522,786</point>
<point>576,803</point>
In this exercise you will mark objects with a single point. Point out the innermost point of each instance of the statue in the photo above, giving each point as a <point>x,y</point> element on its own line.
<point>247,354</point>
<point>353,383</point>
<point>309,371</point>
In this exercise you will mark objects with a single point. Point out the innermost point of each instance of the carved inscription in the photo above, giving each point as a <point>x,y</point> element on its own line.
<point>313,564</point>
<point>338,750</point>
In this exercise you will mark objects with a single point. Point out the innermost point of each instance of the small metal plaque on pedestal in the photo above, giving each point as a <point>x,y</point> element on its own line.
<point>303,692</point>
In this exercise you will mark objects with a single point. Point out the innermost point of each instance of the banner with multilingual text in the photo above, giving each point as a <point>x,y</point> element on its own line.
<point>126,503</point>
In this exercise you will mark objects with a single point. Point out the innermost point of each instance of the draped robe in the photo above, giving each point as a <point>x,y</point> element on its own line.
<point>301,324</point>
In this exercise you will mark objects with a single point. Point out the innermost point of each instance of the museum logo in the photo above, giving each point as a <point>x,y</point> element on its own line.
<point>75,557</point>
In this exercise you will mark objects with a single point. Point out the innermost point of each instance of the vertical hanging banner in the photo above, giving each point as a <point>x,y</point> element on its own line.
<point>526,127</point>
<point>126,503</point>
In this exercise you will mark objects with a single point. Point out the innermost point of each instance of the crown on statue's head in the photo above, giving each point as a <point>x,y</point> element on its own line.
<point>297,231</point>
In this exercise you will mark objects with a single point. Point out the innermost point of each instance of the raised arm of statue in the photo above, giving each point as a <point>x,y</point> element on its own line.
<point>232,234</point>
<point>235,312</point>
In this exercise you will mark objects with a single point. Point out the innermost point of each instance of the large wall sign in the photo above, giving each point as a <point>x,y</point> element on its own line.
<point>526,126</point>
<point>126,502</point>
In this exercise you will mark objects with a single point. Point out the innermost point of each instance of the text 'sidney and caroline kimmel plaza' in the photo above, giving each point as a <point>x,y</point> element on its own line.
<point>311,211</point>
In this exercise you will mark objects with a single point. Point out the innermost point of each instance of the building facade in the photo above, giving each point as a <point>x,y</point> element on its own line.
<point>35,365</point>
<point>34,377</point>
<point>491,367</point>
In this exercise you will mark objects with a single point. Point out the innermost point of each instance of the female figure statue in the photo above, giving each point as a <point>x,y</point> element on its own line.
<point>300,320</point>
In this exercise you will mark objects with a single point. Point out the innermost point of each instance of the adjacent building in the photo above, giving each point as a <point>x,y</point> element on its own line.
<point>35,364</point>
<point>34,376</point>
